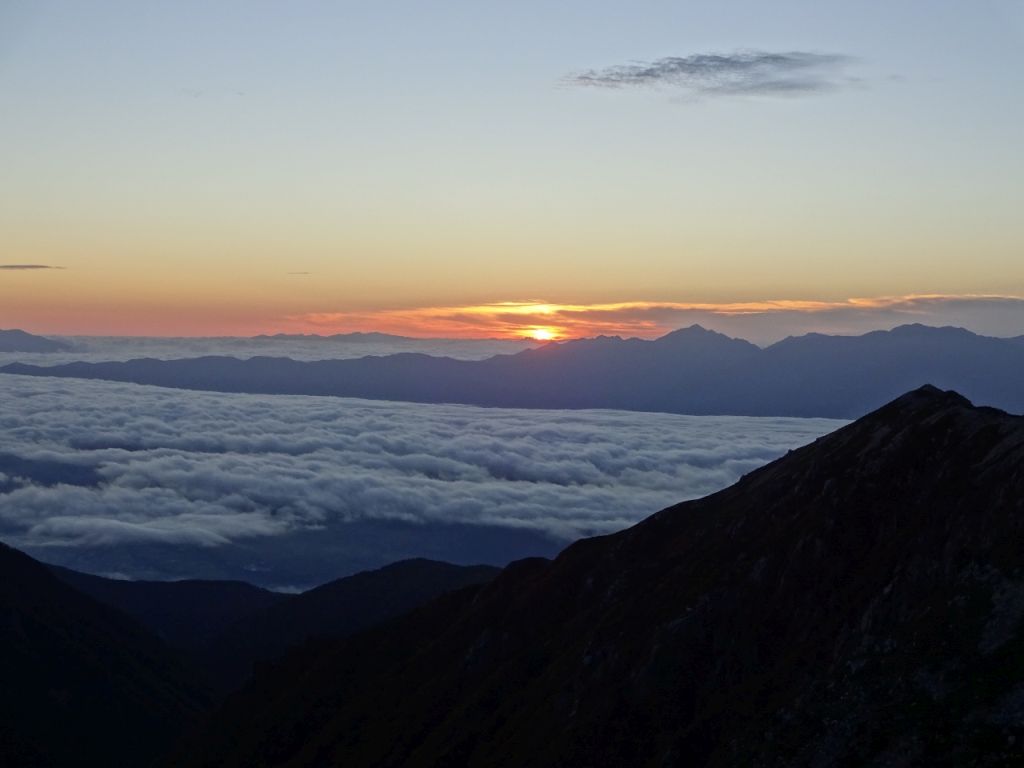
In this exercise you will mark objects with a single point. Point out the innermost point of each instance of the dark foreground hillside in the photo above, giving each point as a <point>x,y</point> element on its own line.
<point>336,609</point>
<point>82,684</point>
<point>185,614</point>
<point>224,628</point>
<point>857,602</point>
<point>112,674</point>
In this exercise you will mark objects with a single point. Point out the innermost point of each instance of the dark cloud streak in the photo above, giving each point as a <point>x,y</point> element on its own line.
<point>733,74</point>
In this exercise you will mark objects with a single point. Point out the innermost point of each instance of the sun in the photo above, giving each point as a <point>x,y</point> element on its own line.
<point>541,334</point>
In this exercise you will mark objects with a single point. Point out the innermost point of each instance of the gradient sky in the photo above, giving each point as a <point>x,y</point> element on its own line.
<point>214,168</point>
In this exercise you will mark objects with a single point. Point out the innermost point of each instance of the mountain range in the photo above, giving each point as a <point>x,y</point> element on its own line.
<point>859,601</point>
<point>692,371</point>
<point>355,336</point>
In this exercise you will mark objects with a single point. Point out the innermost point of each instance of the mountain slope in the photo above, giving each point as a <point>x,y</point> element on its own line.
<point>82,685</point>
<point>185,614</point>
<point>692,371</point>
<point>858,601</point>
<point>226,627</point>
<point>337,608</point>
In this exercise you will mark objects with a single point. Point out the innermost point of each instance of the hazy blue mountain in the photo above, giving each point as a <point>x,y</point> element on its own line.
<point>858,373</point>
<point>356,336</point>
<point>80,683</point>
<point>15,340</point>
<point>101,349</point>
<point>692,371</point>
<point>856,602</point>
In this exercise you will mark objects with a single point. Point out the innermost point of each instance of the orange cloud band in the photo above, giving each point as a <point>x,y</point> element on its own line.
<point>540,319</point>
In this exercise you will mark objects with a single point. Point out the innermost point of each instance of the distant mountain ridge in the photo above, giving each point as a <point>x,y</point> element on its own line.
<point>856,602</point>
<point>16,340</point>
<point>692,371</point>
<point>354,336</point>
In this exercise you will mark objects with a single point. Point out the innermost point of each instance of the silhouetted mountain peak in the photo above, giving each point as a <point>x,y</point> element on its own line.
<point>948,418</point>
<point>925,400</point>
<point>914,330</point>
<point>951,419</point>
<point>697,338</point>
<point>695,331</point>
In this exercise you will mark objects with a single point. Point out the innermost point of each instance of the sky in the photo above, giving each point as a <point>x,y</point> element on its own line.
<point>495,169</point>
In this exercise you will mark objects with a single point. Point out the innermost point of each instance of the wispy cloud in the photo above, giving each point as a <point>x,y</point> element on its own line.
<point>758,321</point>
<point>727,74</point>
<point>17,267</point>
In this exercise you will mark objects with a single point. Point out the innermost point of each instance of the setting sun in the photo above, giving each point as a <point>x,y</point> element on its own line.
<point>541,334</point>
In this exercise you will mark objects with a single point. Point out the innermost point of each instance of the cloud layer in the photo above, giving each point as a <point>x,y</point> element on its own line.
<point>152,466</point>
<point>20,267</point>
<point>727,74</point>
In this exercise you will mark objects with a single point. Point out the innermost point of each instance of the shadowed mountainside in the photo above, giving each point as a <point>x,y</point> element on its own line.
<point>184,614</point>
<point>82,684</point>
<point>693,371</point>
<point>336,609</point>
<point>859,601</point>
<point>226,627</point>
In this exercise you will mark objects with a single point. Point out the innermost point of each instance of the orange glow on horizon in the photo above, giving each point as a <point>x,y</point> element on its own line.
<point>537,320</point>
<point>547,321</point>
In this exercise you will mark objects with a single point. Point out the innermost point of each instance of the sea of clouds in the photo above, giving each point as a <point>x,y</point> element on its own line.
<point>89,465</point>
